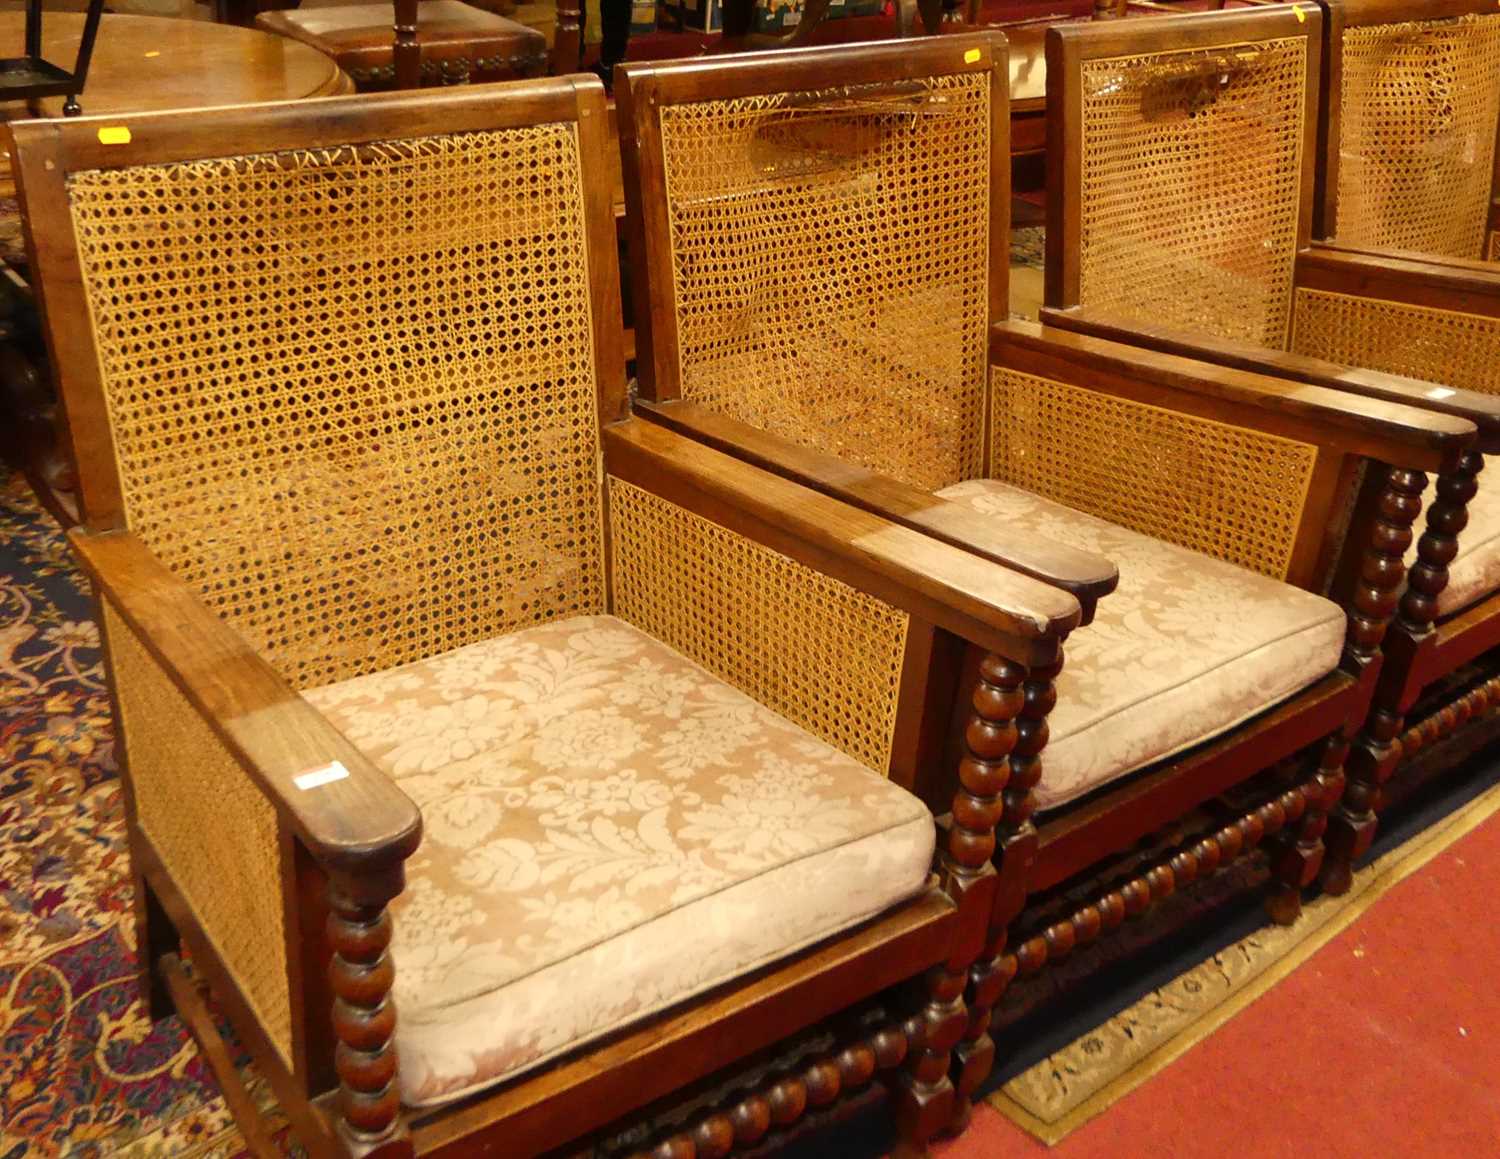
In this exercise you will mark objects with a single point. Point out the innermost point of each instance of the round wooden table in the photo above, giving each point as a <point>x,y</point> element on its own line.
<point>141,64</point>
<point>147,63</point>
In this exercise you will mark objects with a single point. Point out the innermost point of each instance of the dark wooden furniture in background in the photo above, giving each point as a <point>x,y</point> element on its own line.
<point>1240,282</point>
<point>419,42</point>
<point>33,76</point>
<point>763,393</point>
<point>142,63</point>
<point>214,700</point>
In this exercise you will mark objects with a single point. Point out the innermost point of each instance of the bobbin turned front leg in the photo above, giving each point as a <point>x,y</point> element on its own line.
<point>1377,750</point>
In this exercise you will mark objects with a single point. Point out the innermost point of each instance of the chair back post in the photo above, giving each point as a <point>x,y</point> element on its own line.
<point>407,54</point>
<point>567,40</point>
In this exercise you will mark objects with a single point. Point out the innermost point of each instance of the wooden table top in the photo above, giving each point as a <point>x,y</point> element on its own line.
<point>149,63</point>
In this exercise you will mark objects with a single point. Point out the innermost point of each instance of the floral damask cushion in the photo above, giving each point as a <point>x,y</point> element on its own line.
<point>608,830</point>
<point>1184,649</point>
<point>1475,570</point>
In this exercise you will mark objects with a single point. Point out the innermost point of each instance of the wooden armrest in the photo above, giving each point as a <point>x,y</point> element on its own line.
<point>1085,576</point>
<point>1465,287</point>
<point>1001,610</point>
<point>360,823</point>
<point>1400,435</point>
<point>1482,410</point>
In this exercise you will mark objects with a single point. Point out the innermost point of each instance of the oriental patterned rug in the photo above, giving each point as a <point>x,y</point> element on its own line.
<point>82,1071</point>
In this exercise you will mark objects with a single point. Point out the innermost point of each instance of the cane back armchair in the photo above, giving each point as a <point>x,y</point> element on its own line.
<point>1411,109</point>
<point>818,254</point>
<point>443,685</point>
<point>1181,164</point>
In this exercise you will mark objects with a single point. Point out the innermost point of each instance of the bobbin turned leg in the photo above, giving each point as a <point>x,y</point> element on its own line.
<point>925,1099</point>
<point>364,1014</point>
<point>1028,705</point>
<point>1298,855</point>
<point>1377,749</point>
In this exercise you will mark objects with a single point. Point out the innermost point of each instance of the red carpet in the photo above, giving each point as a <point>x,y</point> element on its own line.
<point>1385,1043</point>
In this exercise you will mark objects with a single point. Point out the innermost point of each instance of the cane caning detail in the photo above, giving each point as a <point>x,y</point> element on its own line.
<point>215,832</point>
<point>352,391</point>
<point>821,653</point>
<point>1443,346</point>
<point>1229,492</point>
<point>1421,102</point>
<point>1493,253</point>
<point>1191,178</point>
<point>830,256</point>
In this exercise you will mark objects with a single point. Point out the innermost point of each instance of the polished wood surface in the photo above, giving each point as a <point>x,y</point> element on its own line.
<point>147,63</point>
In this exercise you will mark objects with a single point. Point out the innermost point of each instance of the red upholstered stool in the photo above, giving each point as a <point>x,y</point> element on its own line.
<point>459,42</point>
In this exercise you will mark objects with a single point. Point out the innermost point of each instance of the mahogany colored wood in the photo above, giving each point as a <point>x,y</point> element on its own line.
<point>429,42</point>
<point>342,849</point>
<point>1415,651</point>
<point>1350,431</point>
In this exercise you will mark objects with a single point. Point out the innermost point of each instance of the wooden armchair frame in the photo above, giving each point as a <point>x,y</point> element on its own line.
<point>1454,304</point>
<point>1342,16</point>
<point>1396,442</point>
<point>342,847</point>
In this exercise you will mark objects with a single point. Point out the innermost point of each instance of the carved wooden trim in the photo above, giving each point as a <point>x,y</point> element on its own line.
<point>1299,855</point>
<point>1447,516</point>
<point>1166,876</point>
<point>783,1099</point>
<point>406,53</point>
<point>1375,752</point>
<point>1477,702</point>
<point>361,975</point>
<point>1001,690</point>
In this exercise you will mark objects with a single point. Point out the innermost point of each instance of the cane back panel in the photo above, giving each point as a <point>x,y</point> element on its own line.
<point>1227,491</point>
<point>216,834</point>
<point>1191,184</point>
<point>819,652</point>
<point>1455,349</point>
<point>352,390</point>
<point>830,256</point>
<point>1420,106</point>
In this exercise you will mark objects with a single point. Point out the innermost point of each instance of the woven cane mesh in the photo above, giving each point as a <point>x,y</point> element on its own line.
<point>1421,101</point>
<point>1493,253</point>
<point>830,256</point>
<point>1232,493</point>
<point>213,829</point>
<point>1191,174</point>
<point>352,391</point>
<point>1444,346</point>
<point>824,655</point>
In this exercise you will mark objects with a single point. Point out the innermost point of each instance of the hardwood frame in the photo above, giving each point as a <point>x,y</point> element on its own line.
<point>1420,650</point>
<point>343,847</point>
<point>1396,441</point>
<point>1340,15</point>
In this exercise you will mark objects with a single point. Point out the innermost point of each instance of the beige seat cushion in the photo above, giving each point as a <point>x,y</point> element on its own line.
<point>1475,570</point>
<point>1186,647</point>
<point>608,830</point>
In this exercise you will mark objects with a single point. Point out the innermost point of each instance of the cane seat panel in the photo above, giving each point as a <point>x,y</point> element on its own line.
<point>608,830</point>
<point>1232,493</point>
<point>1449,347</point>
<point>359,445</point>
<point>1190,169</point>
<point>814,649</point>
<point>1418,117</point>
<point>1183,650</point>
<point>829,259</point>
<point>211,825</point>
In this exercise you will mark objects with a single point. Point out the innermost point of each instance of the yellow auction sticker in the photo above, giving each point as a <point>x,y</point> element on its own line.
<point>1301,15</point>
<point>972,55</point>
<point>114,135</point>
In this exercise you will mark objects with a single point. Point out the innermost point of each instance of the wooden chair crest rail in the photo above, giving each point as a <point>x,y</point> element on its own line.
<point>1410,114</point>
<point>819,255</point>
<point>1147,243</point>
<point>443,683</point>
